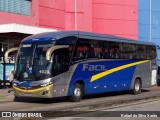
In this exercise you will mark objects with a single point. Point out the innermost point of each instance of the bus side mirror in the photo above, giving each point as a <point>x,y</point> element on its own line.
<point>7,53</point>
<point>52,49</point>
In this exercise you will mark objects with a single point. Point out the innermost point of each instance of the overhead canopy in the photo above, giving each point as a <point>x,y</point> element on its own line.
<point>19,28</point>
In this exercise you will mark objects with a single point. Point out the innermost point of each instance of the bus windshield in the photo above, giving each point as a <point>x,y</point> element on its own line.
<point>31,62</point>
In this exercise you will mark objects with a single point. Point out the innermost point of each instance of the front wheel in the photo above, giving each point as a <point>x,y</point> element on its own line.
<point>136,87</point>
<point>158,82</point>
<point>77,93</point>
<point>17,99</point>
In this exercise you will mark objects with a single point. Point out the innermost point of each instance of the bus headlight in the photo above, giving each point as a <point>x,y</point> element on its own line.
<point>15,82</point>
<point>46,84</point>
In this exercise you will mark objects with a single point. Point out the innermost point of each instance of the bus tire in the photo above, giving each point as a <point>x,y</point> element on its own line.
<point>16,99</point>
<point>77,93</point>
<point>46,100</point>
<point>137,87</point>
<point>158,83</point>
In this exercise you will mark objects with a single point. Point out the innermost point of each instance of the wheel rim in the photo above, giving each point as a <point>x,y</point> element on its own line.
<point>77,92</point>
<point>137,87</point>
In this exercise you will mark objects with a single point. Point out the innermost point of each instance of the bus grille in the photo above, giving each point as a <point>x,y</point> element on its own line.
<point>29,88</point>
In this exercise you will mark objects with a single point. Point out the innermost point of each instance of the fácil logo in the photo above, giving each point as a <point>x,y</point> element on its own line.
<point>93,67</point>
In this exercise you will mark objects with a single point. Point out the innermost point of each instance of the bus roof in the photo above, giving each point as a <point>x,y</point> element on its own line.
<point>48,36</point>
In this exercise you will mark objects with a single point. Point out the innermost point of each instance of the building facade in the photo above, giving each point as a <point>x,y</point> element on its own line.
<point>20,18</point>
<point>149,22</point>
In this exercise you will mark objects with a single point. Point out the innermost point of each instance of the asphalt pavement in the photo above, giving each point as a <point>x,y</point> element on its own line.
<point>143,111</point>
<point>6,95</point>
<point>90,102</point>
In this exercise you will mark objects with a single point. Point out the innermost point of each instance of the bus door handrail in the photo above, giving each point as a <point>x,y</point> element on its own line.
<point>50,50</point>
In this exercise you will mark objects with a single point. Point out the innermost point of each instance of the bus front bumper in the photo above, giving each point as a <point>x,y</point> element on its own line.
<point>42,92</point>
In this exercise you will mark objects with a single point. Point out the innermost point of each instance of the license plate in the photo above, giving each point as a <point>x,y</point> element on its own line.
<point>27,94</point>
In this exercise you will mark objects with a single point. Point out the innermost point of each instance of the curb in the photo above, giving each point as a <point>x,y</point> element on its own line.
<point>8,98</point>
<point>5,96</point>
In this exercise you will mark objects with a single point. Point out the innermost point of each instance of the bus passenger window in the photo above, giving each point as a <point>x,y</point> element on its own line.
<point>83,50</point>
<point>117,53</point>
<point>141,52</point>
<point>151,52</point>
<point>57,64</point>
<point>60,61</point>
<point>98,49</point>
<point>97,52</point>
<point>111,53</point>
<point>106,54</point>
<point>114,52</point>
<point>128,51</point>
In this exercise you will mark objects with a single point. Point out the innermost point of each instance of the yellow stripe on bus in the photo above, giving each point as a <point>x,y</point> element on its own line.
<point>102,74</point>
